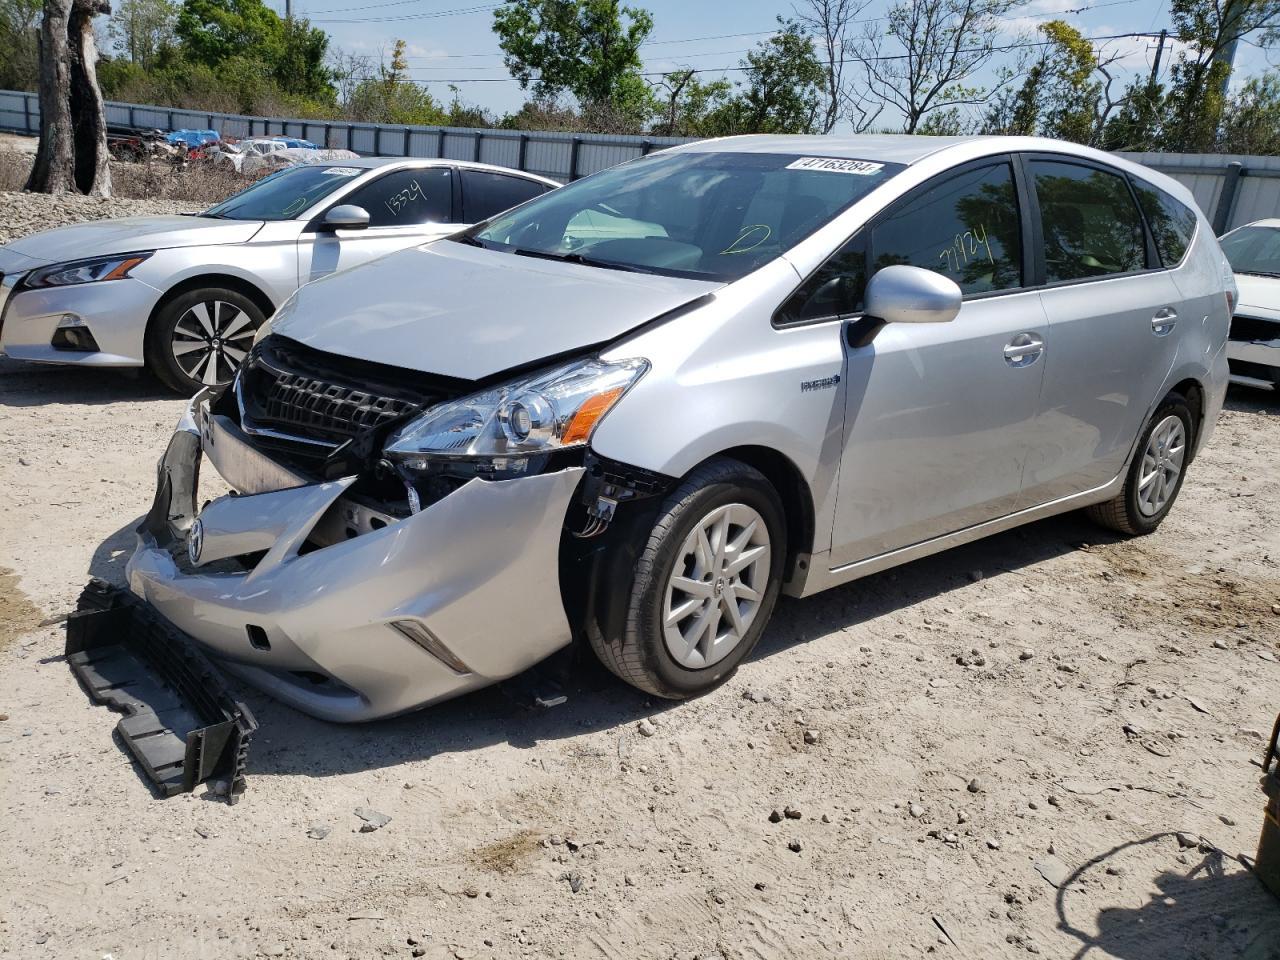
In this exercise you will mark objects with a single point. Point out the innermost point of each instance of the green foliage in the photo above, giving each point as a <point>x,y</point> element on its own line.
<point>782,89</point>
<point>1251,118</point>
<point>1060,95</point>
<point>142,30</point>
<point>587,48</point>
<point>19,63</point>
<point>292,52</point>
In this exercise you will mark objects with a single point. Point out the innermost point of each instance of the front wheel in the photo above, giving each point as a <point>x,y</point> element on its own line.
<point>1156,474</point>
<point>199,338</point>
<point>705,584</point>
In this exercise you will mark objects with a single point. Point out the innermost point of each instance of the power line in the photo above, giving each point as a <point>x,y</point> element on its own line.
<point>435,15</point>
<point>728,69</point>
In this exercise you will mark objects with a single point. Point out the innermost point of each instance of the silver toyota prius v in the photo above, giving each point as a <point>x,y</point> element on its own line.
<point>635,410</point>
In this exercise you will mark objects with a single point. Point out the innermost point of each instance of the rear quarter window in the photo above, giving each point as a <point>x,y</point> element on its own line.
<point>1172,223</point>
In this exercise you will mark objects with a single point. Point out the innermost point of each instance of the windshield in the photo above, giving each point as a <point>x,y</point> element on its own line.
<point>285,194</point>
<point>714,216</point>
<point>1253,250</point>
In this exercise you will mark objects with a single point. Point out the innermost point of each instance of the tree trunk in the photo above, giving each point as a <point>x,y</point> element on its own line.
<point>72,153</point>
<point>88,115</point>
<point>52,171</point>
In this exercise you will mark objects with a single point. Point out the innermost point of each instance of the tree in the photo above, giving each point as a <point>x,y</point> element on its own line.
<point>214,32</point>
<point>20,40</point>
<point>142,29</point>
<point>688,103</point>
<point>1209,31</point>
<point>392,97</point>
<point>831,22</point>
<point>582,47</point>
<point>1251,118</point>
<point>72,152</point>
<point>1065,92</point>
<point>782,89</point>
<point>921,59</point>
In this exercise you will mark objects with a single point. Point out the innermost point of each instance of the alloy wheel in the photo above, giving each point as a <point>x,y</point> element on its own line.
<point>211,339</point>
<point>717,586</point>
<point>1162,463</point>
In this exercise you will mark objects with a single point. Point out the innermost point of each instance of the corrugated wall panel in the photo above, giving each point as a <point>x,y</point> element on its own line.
<point>503,151</point>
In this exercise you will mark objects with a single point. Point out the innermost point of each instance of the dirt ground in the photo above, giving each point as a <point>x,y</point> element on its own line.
<point>1050,706</point>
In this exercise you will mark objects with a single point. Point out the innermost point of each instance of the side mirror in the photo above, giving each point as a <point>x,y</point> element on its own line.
<point>345,216</point>
<point>903,294</point>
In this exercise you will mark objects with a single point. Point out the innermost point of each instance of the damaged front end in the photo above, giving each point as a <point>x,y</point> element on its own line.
<point>391,539</point>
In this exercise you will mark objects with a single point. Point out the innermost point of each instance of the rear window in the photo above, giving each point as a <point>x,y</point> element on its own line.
<point>1172,224</point>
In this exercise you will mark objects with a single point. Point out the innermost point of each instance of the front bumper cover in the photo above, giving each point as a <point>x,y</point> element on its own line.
<point>477,570</point>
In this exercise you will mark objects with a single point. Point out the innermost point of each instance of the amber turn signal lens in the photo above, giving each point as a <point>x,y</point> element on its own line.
<point>591,411</point>
<point>123,267</point>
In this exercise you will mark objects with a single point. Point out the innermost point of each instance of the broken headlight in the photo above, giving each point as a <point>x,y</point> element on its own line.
<point>513,429</point>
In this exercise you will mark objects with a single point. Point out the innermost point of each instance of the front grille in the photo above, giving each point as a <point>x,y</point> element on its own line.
<point>289,391</point>
<point>1250,329</point>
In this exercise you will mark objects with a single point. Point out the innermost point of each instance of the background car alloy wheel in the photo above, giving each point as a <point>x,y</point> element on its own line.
<point>211,339</point>
<point>1161,465</point>
<point>717,586</point>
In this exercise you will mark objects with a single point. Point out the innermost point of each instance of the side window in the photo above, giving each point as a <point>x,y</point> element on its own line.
<point>407,197</point>
<point>966,228</point>
<point>1090,223</point>
<point>487,194</point>
<point>1172,224</point>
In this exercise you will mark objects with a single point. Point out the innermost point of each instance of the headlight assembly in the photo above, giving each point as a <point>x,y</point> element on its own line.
<point>512,429</point>
<point>85,271</point>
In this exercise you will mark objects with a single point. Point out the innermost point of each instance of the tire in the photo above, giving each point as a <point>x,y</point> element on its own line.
<point>194,329</point>
<point>1134,511</point>
<point>720,491</point>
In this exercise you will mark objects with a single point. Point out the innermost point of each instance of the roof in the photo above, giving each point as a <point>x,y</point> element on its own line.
<point>887,148</point>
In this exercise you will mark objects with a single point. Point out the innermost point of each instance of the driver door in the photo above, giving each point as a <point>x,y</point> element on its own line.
<point>939,417</point>
<point>406,207</point>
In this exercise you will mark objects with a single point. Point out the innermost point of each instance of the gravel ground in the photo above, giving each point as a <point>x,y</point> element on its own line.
<point>23,213</point>
<point>988,753</point>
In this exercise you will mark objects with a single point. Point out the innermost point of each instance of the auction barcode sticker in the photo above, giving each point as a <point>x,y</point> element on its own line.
<point>861,168</point>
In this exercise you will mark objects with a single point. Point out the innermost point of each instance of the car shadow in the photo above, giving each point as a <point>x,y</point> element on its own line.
<point>1242,399</point>
<point>37,384</point>
<point>293,743</point>
<point>1206,907</point>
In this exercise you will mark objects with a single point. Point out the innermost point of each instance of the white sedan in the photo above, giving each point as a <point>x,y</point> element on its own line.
<point>183,295</point>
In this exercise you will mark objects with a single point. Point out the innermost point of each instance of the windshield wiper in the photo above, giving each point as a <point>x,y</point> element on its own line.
<point>1259,273</point>
<point>469,241</point>
<point>582,261</point>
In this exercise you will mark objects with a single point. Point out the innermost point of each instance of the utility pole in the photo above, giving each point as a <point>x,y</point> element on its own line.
<point>288,9</point>
<point>1155,66</point>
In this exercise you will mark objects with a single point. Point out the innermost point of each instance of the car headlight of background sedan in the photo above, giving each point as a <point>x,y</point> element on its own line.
<point>75,272</point>
<point>515,428</point>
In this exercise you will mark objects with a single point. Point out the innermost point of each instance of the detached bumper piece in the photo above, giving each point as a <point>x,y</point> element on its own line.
<point>181,723</point>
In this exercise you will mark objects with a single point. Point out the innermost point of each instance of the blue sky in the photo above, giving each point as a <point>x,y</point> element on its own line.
<point>451,40</point>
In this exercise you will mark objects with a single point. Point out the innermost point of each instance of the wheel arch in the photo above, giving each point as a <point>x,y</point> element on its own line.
<point>225,280</point>
<point>793,491</point>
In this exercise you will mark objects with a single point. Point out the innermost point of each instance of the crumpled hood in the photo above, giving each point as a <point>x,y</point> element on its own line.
<point>461,311</point>
<point>1259,296</point>
<point>124,235</point>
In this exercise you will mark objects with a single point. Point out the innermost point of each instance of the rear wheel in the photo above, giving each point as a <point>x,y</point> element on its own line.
<point>198,339</point>
<point>705,584</point>
<point>1156,474</point>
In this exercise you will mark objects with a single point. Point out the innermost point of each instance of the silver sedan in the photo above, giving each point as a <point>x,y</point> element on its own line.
<point>184,295</point>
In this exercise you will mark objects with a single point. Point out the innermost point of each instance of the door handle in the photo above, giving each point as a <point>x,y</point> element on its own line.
<point>1164,321</point>
<point>1023,350</point>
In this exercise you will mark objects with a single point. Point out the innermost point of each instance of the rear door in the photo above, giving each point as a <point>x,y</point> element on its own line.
<point>1113,312</point>
<point>406,207</point>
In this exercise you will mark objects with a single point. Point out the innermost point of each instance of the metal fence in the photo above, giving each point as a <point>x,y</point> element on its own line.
<point>1230,189</point>
<point>562,156</point>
